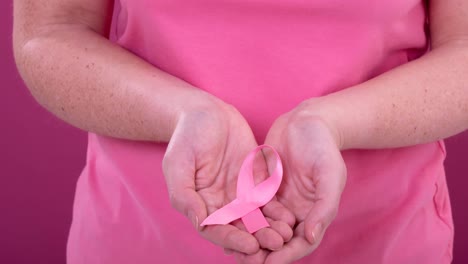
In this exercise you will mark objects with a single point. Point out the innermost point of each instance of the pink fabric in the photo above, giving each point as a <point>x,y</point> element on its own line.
<point>265,57</point>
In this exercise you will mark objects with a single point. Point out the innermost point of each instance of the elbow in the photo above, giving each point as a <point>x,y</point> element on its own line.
<point>20,57</point>
<point>26,53</point>
<point>30,58</point>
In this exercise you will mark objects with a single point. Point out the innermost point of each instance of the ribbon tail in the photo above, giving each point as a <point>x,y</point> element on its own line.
<point>255,221</point>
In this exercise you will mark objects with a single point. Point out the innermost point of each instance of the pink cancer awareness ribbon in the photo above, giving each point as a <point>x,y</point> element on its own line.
<point>250,197</point>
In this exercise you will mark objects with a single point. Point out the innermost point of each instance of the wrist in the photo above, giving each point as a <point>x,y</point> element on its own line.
<point>202,106</point>
<point>315,112</point>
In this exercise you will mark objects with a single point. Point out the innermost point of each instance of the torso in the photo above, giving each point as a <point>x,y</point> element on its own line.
<point>265,57</point>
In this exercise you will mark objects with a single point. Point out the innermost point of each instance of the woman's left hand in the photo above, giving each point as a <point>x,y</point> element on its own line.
<point>314,178</point>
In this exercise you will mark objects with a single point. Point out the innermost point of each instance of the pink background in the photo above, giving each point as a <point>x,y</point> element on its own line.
<point>41,158</point>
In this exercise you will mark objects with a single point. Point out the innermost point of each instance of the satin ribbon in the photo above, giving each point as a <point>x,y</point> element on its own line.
<point>250,197</point>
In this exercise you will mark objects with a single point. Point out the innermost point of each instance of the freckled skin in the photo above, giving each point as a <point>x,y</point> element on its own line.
<point>94,76</point>
<point>419,102</point>
<point>90,82</point>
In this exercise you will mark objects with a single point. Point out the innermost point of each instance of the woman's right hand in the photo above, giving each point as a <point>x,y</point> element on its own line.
<point>201,166</point>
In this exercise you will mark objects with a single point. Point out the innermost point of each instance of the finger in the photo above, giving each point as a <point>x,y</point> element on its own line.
<point>330,185</point>
<point>257,258</point>
<point>228,252</point>
<point>278,212</point>
<point>322,213</point>
<point>294,250</point>
<point>267,237</point>
<point>231,237</point>
<point>190,204</point>
<point>283,229</point>
<point>179,172</point>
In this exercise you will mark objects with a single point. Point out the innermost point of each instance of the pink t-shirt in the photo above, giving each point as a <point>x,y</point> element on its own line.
<point>265,57</point>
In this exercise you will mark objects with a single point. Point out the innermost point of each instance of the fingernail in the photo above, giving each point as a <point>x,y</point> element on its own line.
<point>228,252</point>
<point>194,219</point>
<point>316,232</point>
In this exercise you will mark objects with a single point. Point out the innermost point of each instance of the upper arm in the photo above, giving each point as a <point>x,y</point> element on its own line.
<point>448,22</point>
<point>33,17</point>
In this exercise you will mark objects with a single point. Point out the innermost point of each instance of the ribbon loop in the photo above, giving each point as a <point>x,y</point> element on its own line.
<point>250,197</point>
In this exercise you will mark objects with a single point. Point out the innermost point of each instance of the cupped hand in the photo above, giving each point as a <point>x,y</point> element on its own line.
<point>201,166</point>
<point>313,180</point>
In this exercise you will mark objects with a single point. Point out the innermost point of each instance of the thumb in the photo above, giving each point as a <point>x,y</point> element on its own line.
<point>330,182</point>
<point>189,203</point>
<point>319,218</point>
<point>179,173</point>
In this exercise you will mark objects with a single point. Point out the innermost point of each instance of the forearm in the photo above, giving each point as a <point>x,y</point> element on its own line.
<point>98,86</point>
<point>422,101</point>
